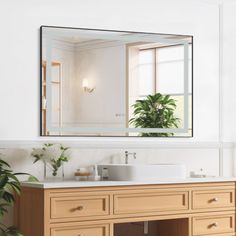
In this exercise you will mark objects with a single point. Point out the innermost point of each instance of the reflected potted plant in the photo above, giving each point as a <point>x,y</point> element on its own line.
<point>53,157</point>
<point>155,111</point>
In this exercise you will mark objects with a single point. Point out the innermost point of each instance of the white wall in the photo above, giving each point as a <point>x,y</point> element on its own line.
<point>228,86</point>
<point>229,71</point>
<point>19,87</point>
<point>20,30</point>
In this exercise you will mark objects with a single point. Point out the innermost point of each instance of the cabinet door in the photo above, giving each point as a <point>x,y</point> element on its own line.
<point>150,201</point>
<point>213,225</point>
<point>94,230</point>
<point>79,207</point>
<point>212,199</point>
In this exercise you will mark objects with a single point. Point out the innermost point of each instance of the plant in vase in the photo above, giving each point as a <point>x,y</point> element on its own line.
<point>53,156</point>
<point>9,188</point>
<point>155,111</point>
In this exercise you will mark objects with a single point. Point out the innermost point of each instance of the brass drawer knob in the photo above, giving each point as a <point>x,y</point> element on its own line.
<point>80,235</point>
<point>215,199</point>
<point>80,208</point>
<point>214,224</point>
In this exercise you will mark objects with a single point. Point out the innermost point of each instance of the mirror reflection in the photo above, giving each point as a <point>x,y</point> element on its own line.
<point>110,83</point>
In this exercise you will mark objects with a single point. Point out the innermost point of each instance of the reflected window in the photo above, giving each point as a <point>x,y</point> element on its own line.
<point>146,72</point>
<point>161,70</point>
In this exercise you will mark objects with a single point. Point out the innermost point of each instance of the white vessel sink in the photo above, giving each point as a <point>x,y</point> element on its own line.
<point>140,172</point>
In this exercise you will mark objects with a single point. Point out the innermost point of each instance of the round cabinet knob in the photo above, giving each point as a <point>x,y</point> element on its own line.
<point>80,235</point>
<point>80,208</point>
<point>215,199</point>
<point>214,224</point>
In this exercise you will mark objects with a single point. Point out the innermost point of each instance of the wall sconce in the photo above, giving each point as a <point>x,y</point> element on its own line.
<point>86,87</point>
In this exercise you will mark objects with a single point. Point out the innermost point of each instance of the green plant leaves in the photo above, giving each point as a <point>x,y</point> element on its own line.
<point>3,180</point>
<point>53,154</point>
<point>4,164</point>
<point>3,209</point>
<point>10,231</point>
<point>8,197</point>
<point>155,111</point>
<point>32,179</point>
<point>9,186</point>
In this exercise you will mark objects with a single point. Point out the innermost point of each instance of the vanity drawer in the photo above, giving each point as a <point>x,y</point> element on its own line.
<point>148,202</point>
<point>213,199</point>
<point>213,225</point>
<point>96,230</point>
<point>79,206</point>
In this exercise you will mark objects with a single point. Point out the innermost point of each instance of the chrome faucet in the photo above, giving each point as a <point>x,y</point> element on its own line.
<point>127,156</point>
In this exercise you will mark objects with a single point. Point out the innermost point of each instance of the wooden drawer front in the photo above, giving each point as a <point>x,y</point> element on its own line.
<point>98,230</point>
<point>213,199</point>
<point>69,207</point>
<point>213,225</point>
<point>150,202</point>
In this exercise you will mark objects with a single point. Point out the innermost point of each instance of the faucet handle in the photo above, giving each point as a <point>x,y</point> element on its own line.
<point>127,156</point>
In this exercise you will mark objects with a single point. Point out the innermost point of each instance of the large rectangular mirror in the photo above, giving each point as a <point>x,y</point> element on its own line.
<point>114,83</point>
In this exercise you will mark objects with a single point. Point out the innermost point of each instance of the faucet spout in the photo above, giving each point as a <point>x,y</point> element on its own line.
<point>127,154</point>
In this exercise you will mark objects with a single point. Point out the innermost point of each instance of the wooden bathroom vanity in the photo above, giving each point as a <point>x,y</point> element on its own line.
<point>188,208</point>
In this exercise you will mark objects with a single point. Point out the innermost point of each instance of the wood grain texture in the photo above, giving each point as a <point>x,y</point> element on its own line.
<point>214,224</point>
<point>79,207</point>
<point>86,230</point>
<point>210,199</point>
<point>178,227</point>
<point>31,212</point>
<point>114,211</point>
<point>150,201</point>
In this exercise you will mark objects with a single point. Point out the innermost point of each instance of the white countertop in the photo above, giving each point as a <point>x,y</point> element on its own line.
<point>85,184</point>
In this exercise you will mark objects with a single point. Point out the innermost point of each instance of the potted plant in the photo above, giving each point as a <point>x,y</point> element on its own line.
<point>155,111</point>
<point>53,156</point>
<point>9,187</point>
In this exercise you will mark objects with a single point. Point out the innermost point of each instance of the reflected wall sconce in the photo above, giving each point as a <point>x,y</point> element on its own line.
<point>86,87</point>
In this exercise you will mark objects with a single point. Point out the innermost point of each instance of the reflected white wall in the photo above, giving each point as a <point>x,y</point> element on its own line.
<point>104,67</point>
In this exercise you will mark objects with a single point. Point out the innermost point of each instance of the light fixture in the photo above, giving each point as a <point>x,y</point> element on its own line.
<point>86,87</point>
